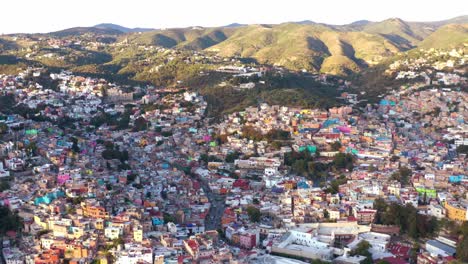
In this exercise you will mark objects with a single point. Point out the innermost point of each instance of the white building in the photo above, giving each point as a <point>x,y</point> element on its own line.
<point>112,232</point>
<point>133,254</point>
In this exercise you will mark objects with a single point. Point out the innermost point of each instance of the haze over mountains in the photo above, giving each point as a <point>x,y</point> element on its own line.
<point>335,49</point>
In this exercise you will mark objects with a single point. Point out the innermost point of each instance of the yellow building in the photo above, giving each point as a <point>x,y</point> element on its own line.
<point>138,234</point>
<point>99,224</point>
<point>456,212</point>
<point>41,222</point>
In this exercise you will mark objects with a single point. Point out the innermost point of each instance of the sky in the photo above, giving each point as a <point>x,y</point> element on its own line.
<point>38,16</point>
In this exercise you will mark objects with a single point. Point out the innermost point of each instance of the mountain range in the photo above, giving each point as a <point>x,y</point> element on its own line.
<point>335,49</point>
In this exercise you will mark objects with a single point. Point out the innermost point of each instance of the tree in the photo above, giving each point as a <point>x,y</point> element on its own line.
<point>326,214</point>
<point>362,249</point>
<point>406,217</point>
<point>75,147</point>
<point>383,262</point>
<point>168,218</point>
<point>462,149</point>
<point>403,175</point>
<point>414,253</point>
<point>300,167</point>
<point>335,184</point>
<point>4,185</point>
<point>251,133</point>
<point>336,146</point>
<point>276,145</point>
<point>124,156</point>
<point>413,230</point>
<point>131,178</point>
<point>254,213</point>
<point>9,220</point>
<point>31,149</point>
<point>140,124</point>
<point>3,128</point>
<point>343,161</point>
<point>462,253</point>
<point>232,156</point>
<point>381,206</point>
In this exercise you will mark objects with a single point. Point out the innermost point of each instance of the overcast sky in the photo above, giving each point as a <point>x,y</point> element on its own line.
<point>50,15</point>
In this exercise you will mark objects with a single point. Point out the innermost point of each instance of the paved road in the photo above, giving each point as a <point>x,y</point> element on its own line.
<point>213,220</point>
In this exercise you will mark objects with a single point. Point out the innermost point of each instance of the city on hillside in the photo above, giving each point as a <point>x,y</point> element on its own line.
<point>288,143</point>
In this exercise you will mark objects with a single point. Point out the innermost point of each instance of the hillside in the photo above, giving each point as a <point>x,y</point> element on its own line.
<point>76,31</point>
<point>448,36</point>
<point>121,28</point>
<point>403,33</point>
<point>455,20</point>
<point>317,47</point>
<point>307,46</point>
<point>195,38</point>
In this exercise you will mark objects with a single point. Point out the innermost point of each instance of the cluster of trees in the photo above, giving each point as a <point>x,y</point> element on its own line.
<point>272,135</point>
<point>288,89</point>
<point>209,158</point>
<point>232,156</point>
<point>141,124</point>
<point>334,186</point>
<point>244,79</point>
<point>336,146</point>
<point>407,218</point>
<point>9,220</point>
<point>4,185</point>
<point>300,162</point>
<point>343,161</point>
<point>462,149</point>
<point>113,152</point>
<point>462,252</point>
<point>131,178</point>
<point>254,214</point>
<point>75,147</point>
<point>169,73</point>
<point>403,175</point>
<point>119,121</point>
<point>151,107</point>
<point>303,163</point>
<point>168,218</point>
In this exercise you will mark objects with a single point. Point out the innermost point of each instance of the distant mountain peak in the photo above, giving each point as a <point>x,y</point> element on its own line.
<point>233,25</point>
<point>306,22</point>
<point>360,22</point>
<point>121,28</point>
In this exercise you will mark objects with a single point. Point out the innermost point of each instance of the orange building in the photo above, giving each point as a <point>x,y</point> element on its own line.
<point>94,211</point>
<point>228,217</point>
<point>51,256</point>
<point>456,212</point>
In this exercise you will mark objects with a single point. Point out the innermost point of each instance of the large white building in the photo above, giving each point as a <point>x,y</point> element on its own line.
<point>304,245</point>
